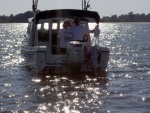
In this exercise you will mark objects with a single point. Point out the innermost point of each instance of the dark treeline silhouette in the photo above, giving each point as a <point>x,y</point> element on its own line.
<point>130,17</point>
<point>19,18</point>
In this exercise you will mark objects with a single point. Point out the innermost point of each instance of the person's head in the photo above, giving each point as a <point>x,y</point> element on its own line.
<point>76,21</point>
<point>66,24</point>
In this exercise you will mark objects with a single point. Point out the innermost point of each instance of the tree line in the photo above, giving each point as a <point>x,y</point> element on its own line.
<point>19,18</point>
<point>130,17</point>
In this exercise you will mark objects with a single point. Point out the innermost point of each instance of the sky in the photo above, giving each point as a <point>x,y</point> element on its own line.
<point>103,7</point>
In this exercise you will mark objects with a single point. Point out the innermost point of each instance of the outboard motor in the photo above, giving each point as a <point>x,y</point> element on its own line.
<point>75,56</point>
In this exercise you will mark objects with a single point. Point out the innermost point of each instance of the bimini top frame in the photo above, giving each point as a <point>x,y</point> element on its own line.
<point>67,13</point>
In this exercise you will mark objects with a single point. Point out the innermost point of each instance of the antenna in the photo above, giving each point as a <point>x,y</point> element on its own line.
<point>82,4</point>
<point>85,5</point>
<point>34,6</point>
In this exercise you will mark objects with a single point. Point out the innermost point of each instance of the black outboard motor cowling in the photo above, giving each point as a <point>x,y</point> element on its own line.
<point>75,56</point>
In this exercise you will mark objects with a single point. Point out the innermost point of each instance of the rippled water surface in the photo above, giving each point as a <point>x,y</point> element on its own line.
<point>123,88</point>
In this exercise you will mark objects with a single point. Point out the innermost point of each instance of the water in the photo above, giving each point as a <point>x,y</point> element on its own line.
<point>123,88</point>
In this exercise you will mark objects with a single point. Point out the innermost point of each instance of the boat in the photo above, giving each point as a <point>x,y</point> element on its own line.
<point>41,50</point>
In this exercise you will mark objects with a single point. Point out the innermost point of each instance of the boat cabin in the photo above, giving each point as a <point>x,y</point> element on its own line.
<point>47,24</point>
<point>41,47</point>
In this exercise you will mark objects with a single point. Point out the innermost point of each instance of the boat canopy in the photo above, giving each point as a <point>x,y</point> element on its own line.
<point>67,13</point>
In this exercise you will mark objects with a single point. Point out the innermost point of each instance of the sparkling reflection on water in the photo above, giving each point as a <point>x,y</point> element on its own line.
<point>123,88</point>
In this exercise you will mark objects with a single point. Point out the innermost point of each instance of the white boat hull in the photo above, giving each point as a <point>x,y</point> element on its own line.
<point>36,58</point>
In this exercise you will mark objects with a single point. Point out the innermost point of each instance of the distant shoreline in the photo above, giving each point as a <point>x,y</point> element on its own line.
<point>130,17</point>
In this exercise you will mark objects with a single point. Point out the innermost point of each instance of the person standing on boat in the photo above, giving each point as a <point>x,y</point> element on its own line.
<point>65,35</point>
<point>81,32</point>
